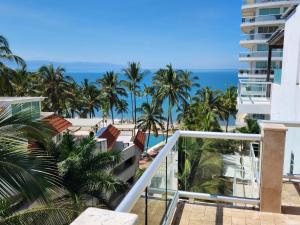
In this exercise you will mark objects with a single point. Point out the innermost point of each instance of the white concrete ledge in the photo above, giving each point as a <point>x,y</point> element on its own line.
<point>95,216</point>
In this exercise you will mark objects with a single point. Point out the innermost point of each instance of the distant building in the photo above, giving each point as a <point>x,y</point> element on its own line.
<point>260,19</point>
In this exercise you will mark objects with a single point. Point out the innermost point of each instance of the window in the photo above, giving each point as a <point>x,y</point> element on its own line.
<point>261,47</point>
<point>264,65</point>
<point>292,160</point>
<point>269,11</point>
<point>267,29</point>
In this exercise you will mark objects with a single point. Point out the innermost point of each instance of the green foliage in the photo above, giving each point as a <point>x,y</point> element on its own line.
<point>201,166</point>
<point>150,120</point>
<point>251,127</point>
<point>85,171</point>
<point>27,175</point>
<point>112,89</point>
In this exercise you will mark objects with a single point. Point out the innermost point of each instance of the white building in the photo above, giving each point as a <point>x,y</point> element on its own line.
<point>260,19</point>
<point>285,97</point>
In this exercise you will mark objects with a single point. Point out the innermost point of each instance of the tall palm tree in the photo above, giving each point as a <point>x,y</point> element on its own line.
<point>92,97</point>
<point>228,103</point>
<point>150,120</point>
<point>112,89</point>
<point>122,107</point>
<point>56,87</point>
<point>169,86</point>
<point>27,176</point>
<point>134,75</point>
<point>6,53</point>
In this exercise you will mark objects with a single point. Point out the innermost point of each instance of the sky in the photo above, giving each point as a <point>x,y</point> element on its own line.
<point>191,34</point>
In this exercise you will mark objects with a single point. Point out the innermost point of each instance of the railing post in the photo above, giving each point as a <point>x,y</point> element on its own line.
<point>272,158</point>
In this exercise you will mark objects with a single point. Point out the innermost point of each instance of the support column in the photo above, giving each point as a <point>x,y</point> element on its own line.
<point>272,159</point>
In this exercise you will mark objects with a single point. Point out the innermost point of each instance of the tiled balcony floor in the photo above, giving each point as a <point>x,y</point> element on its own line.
<point>217,214</point>
<point>291,198</point>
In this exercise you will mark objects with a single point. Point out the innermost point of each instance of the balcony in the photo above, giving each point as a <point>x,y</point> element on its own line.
<point>155,199</point>
<point>254,97</point>
<point>257,73</point>
<point>260,56</point>
<point>250,40</point>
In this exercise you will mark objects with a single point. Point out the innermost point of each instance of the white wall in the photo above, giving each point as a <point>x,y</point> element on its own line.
<point>285,101</point>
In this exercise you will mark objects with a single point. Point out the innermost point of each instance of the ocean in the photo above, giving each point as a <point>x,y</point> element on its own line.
<point>214,79</point>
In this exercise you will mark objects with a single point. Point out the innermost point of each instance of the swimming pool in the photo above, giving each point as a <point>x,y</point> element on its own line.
<point>154,140</point>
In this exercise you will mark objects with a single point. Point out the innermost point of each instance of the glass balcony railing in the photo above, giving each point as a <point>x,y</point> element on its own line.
<point>257,71</point>
<point>250,2</point>
<point>277,76</point>
<point>254,91</point>
<point>260,54</point>
<point>254,19</point>
<point>203,166</point>
<point>256,36</point>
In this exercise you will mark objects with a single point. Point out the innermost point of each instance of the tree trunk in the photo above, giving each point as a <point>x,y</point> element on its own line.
<point>168,120</point>
<point>132,110</point>
<point>227,122</point>
<point>112,114</point>
<point>148,138</point>
<point>121,118</point>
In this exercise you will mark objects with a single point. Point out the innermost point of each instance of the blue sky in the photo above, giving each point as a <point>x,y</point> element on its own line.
<point>191,34</point>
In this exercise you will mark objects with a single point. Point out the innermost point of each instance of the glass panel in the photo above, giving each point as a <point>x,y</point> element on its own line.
<point>172,180</point>
<point>261,47</point>
<point>269,11</point>
<point>277,76</point>
<point>217,166</point>
<point>140,209</point>
<point>16,108</point>
<point>157,196</point>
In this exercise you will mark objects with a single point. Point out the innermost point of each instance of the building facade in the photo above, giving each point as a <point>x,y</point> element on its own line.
<point>260,19</point>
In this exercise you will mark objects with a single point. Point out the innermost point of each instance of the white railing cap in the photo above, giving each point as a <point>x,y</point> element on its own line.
<point>95,216</point>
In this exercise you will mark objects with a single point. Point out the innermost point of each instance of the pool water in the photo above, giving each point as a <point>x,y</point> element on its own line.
<point>154,140</point>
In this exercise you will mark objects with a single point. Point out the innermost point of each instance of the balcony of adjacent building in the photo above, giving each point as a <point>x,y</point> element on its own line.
<point>250,40</point>
<point>254,97</point>
<point>252,190</point>
<point>251,21</point>
<point>260,56</point>
<point>253,4</point>
<point>255,73</point>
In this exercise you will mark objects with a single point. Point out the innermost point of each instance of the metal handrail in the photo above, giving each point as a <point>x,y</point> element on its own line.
<point>144,181</point>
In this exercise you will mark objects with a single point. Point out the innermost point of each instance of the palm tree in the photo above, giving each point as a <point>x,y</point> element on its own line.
<point>92,98</point>
<point>134,75</point>
<point>6,53</point>
<point>150,120</point>
<point>22,82</point>
<point>169,86</point>
<point>251,127</point>
<point>122,107</point>
<point>209,99</point>
<point>148,91</point>
<point>228,105</point>
<point>84,170</point>
<point>200,167</point>
<point>27,176</point>
<point>112,89</point>
<point>56,87</point>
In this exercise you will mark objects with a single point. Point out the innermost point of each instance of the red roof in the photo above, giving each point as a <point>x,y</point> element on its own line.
<point>58,123</point>
<point>111,134</point>
<point>140,140</point>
